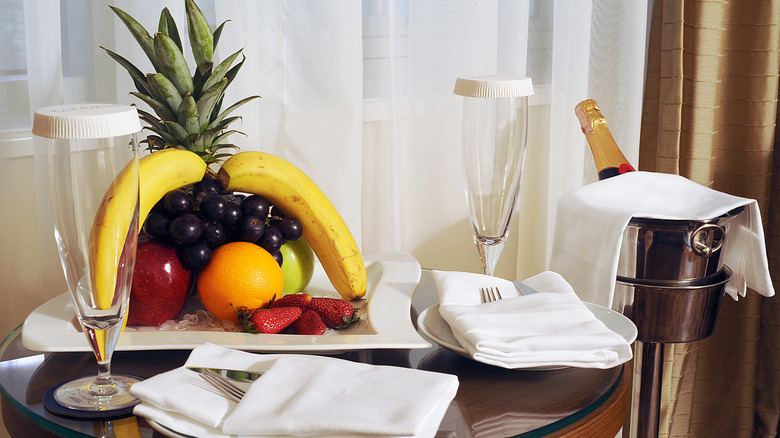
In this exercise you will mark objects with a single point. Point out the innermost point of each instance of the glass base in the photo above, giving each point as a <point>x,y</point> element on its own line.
<point>82,394</point>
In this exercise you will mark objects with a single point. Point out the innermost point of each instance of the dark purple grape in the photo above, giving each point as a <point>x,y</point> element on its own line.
<point>186,229</point>
<point>232,215</point>
<point>255,205</point>
<point>271,240</point>
<point>273,221</point>
<point>291,228</point>
<point>205,186</point>
<point>251,229</point>
<point>235,197</point>
<point>278,257</point>
<point>158,225</point>
<point>214,234</point>
<point>275,216</point>
<point>159,207</point>
<point>178,202</point>
<point>213,206</point>
<point>276,211</point>
<point>197,255</point>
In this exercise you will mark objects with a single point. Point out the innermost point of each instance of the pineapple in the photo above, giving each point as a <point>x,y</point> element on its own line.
<point>186,105</point>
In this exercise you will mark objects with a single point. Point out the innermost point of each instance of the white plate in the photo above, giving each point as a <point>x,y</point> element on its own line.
<point>392,280</point>
<point>433,326</point>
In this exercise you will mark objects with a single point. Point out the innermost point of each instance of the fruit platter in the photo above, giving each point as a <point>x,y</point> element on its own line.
<point>392,279</point>
<point>237,248</point>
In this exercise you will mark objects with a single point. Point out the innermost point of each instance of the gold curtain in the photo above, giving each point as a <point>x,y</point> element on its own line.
<point>710,114</point>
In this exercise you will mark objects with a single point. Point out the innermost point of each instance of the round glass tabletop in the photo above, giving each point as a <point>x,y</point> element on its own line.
<point>491,401</point>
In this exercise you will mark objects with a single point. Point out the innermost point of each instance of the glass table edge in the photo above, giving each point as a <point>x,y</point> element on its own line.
<point>27,413</point>
<point>573,418</point>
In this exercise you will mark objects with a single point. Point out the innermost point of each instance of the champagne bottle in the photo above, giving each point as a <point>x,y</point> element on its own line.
<point>609,160</point>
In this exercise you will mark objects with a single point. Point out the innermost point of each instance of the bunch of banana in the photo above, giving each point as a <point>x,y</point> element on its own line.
<point>158,173</point>
<point>295,193</point>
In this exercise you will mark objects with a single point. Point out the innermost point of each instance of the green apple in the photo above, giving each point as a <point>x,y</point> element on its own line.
<point>297,265</point>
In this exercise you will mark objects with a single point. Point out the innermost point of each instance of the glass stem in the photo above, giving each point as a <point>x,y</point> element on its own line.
<point>104,384</point>
<point>489,253</point>
<point>104,373</point>
<point>103,342</point>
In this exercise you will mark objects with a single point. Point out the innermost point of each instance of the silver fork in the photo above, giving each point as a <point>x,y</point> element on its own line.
<point>223,385</point>
<point>489,294</point>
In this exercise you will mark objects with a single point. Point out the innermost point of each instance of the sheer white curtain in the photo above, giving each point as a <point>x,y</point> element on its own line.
<point>358,94</point>
<point>412,186</point>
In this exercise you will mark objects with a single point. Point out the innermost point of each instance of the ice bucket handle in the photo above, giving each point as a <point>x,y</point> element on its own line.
<point>707,239</point>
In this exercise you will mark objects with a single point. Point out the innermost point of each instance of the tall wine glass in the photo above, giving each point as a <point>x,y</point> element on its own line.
<point>89,146</point>
<point>495,124</point>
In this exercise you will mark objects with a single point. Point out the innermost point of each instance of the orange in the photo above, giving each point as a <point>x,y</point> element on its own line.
<point>240,274</point>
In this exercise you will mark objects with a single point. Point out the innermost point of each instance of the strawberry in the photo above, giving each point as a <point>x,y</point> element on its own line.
<point>268,321</point>
<point>293,300</point>
<point>309,323</point>
<point>335,312</point>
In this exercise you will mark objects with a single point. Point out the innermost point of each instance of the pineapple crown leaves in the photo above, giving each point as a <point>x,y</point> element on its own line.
<point>186,107</point>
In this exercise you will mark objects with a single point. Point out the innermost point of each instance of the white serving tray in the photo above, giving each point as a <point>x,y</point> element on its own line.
<point>392,280</point>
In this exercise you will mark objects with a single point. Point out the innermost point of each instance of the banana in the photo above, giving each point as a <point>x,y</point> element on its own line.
<point>159,173</point>
<point>108,241</point>
<point>295,193</point>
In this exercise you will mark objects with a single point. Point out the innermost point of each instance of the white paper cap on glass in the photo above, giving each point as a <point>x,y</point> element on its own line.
<point>83,121</point>
<point>494,86</point>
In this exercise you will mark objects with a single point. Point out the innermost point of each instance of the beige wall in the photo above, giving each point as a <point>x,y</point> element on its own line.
<point>26,278</point>
<point>25,282</point>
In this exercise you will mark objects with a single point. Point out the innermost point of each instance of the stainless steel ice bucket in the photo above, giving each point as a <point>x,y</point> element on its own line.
<point>674,250</point>
<point>671,313</point>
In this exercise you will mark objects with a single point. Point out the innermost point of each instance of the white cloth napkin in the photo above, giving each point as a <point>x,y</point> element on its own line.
<point>549,328</point>
<point>591,219</point>
<point>297,395</point>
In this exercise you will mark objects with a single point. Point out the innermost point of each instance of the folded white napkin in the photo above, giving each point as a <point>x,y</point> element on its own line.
<point>591,219</point>
<point>549,328</point>
<point>297,395</point>
<point>181,400</point>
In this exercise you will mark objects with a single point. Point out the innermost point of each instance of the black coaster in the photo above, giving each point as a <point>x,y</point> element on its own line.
<point>53,406</point>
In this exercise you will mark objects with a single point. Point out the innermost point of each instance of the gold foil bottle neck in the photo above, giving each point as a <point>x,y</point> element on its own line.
<point>589,115</point>
<point>606,153</point>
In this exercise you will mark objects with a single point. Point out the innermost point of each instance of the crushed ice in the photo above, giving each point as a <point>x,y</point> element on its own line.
<point>198,321</point>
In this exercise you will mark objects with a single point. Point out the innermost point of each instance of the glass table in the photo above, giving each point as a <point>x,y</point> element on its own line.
<point>491,401</point>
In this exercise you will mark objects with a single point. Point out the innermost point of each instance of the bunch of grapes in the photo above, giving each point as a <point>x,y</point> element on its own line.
<point>202,217</point>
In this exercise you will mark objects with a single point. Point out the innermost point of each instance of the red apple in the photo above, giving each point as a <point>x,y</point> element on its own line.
<point>161,283</point>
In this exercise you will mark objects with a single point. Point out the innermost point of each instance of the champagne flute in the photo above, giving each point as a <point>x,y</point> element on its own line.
<point>495,119</point>
<point>89,145</point>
